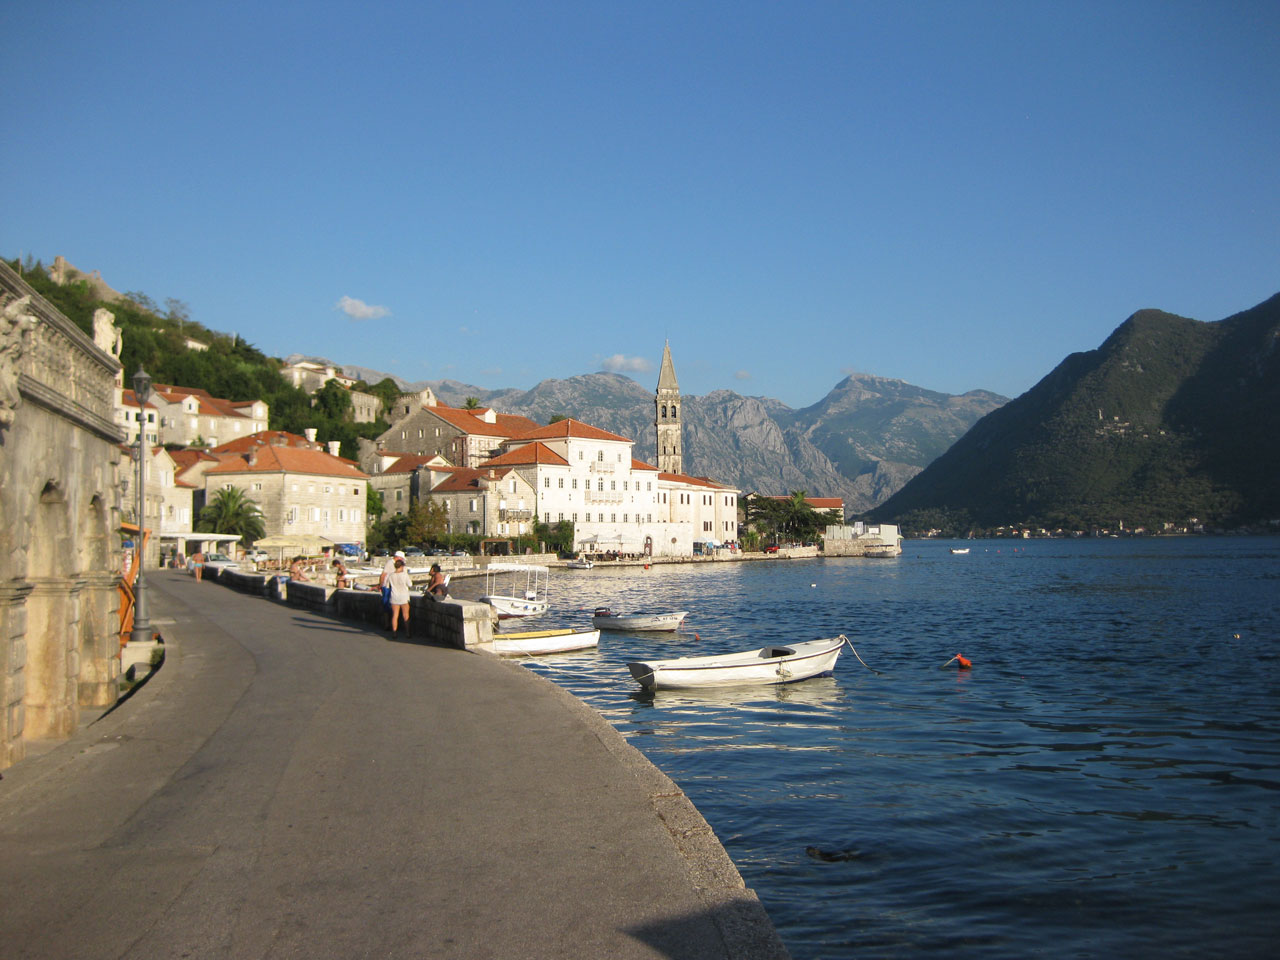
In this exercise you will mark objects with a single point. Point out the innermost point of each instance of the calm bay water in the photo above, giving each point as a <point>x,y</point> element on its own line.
<point>1105,781</point>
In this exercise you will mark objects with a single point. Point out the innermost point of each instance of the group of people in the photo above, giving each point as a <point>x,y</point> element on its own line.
<point>396,584</point>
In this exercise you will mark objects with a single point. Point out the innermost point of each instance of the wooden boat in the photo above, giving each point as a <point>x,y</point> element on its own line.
<point>606,619</point>
<point>768,665</point>
<point>516,589</point>
<point>531,643</point>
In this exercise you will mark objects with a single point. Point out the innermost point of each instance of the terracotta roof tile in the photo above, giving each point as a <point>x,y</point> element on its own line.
<point>271,459</point>
<point>466,479</point>
<point>264,438</point>
<point>576,429</point>
<point>469,422</point>
<point>536,452</point>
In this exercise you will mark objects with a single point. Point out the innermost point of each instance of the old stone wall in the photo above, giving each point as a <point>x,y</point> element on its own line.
<point>60,554</point>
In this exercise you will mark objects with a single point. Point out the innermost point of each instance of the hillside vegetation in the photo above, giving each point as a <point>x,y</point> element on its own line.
<point>156,338</point>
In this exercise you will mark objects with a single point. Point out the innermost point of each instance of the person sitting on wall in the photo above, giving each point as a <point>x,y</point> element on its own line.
<point>438,586</point>
<point>296,572</point>
<point>340,575</point>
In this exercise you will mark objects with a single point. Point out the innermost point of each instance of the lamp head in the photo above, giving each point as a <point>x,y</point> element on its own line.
<point>141,386</point>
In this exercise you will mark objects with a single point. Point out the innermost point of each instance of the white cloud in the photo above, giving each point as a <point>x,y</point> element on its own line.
<point>742,375</point>
<point>359,310</point>
<point>621,364</point>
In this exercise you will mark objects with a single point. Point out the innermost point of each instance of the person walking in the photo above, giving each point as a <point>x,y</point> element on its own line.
<point>400,585</point>
<point>197,565</point>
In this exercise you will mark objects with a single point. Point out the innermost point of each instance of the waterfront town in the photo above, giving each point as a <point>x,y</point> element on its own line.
<point>75,428</point>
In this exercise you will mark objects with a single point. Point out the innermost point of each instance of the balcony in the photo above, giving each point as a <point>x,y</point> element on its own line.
<point>599,466</point>
<point>513,516</point>
<point>603,496</point>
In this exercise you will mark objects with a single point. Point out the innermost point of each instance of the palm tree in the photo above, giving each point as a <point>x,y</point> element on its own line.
<point>230,511</point>
<point>471,403</point>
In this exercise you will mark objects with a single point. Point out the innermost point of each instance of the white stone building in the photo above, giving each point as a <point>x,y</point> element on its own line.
<point>299,490</point>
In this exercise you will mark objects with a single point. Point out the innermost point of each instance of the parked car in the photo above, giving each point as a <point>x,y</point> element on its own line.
<point>258,556</point>
<point>413,552</point>
<point>218,562</point>
<point>772,548</point>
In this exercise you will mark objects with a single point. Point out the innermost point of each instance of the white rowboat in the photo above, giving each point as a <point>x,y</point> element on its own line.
<point>531,643</point>
<point>768,665</point>
<point>606,619</point>
<point>516,589</point>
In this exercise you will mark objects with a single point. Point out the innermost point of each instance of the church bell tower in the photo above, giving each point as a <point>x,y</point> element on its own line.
<point>666,404</point>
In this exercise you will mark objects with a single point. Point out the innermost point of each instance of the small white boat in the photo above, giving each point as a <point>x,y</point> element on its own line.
<point>606,619</point>
<point>768,665</point>
<point>531,643</point>
<point>579,564</point>
<point>516,589</point>
<point>959,549</point>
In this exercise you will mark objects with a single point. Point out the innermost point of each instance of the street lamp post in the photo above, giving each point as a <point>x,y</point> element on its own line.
<point>141,632</point>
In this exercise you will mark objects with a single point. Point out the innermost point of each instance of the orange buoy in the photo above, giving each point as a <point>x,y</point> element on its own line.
<point>963,663</point>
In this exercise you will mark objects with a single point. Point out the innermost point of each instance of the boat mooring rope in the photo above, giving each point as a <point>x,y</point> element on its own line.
<point>860,660</point>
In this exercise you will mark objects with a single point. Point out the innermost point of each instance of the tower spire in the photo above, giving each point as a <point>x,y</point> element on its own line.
<point>666,404</point>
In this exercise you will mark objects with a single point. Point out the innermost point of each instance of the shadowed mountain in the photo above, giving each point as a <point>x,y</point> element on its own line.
<point>1169,419</point>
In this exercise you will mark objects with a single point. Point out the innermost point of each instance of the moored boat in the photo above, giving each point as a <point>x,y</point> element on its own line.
<point>773,664</point>
<point>959,549</point>
<point>639,620</point>
<point>531,643</point>
<point>516,589</point>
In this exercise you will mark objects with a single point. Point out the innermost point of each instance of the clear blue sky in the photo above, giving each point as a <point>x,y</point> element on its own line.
<point>955,194</point>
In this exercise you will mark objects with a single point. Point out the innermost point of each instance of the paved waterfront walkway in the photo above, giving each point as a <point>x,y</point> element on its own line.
<point>293,786</point>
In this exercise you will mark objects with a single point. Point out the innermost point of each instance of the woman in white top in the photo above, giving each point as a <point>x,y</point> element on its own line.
<point>400,585</point>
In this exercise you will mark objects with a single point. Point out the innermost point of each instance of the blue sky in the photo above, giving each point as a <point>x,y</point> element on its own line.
<point>954,194</point>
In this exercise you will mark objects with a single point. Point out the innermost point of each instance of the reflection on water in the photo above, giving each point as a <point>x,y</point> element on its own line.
<point>1101,783</point>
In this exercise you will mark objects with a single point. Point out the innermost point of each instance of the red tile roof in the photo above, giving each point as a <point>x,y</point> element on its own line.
<point>694,481</point>
<point>466,479</point>
<point>641,465</point>
<point>264,438</point>
<point>469,422</point>
<point>272,459</point>
<point>818,503</point>
<point>409,462</point>
<point>536,452</point>
<point>576,429</point>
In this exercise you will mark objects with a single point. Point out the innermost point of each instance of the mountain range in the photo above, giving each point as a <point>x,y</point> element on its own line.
<point>866,438</point>
<point>1169,421</point>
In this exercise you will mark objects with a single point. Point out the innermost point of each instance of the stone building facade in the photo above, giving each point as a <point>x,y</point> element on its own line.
<point>60,555</point>
<point>299,490</point>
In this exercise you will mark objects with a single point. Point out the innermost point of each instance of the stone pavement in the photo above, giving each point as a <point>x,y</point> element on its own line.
<point>289,785</point>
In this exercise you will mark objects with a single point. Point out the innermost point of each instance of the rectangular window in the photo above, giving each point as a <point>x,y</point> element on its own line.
<point>613,518</point>
<point>575,518</point>
<point>624,518</point>
<point>575,483</point>
<point>546,483</point>
<point>473,506</point>
<point>561,482</point>
<point>560,517</point>
<point>613,484</point>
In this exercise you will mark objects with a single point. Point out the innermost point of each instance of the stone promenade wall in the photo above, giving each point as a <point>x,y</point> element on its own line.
<point>462,624</point>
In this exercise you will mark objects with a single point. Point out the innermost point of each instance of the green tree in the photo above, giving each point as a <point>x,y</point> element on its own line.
<point>471,403</point>
<point>333,401</point>
<point>373,505</point>
<point>230,511</point>
<point>427,522</point>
